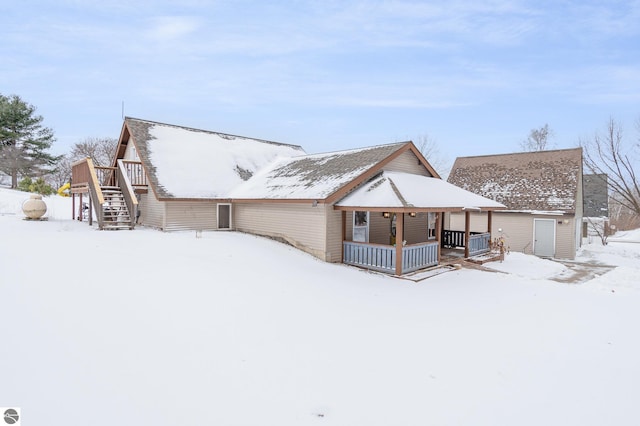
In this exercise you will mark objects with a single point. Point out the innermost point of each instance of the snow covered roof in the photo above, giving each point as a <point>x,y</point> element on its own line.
<point>189,163</point>
<point>314,176</point>
<point>528,181</point>
<point>404,190</point>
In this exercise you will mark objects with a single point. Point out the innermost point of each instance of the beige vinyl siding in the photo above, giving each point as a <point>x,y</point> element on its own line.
<point>190,215</point>
<point>130,153</point>
<point>415,228</point>
<point>446,221</point>
<point>479,222</point>
<point>565,237</point>
<point>301,225</point>
<point>517,230</point>
<point>379,228</point>
<point>407,162</point>
<point>333,250</point>
<point>151,211</point>
<point>349,226</point>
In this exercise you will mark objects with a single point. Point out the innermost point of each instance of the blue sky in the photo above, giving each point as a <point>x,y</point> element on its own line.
<point>475,76</point>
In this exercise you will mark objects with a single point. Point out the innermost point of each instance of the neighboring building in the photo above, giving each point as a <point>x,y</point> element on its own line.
<point>596,205</point>
<point>542,191</point>
<point>347,206</point>
<point>5,180</point>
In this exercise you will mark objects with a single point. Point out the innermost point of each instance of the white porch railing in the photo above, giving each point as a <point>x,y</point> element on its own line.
<point>382,258</point>
<point>479,243</point>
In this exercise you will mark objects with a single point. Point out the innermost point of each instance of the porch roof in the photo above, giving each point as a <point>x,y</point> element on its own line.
<point>397,190</point>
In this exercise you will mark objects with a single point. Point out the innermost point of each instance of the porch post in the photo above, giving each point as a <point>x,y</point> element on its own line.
<point>439,220</point>
<point>90,212</point>
<point>467,232</point>
<point>73,206</point>
<point>399,239</point>
<point>80,209</point>
<point>489,223</point>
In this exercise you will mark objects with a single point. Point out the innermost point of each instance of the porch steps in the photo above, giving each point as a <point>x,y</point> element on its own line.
<point>485,258</point>
<point>115,213</point>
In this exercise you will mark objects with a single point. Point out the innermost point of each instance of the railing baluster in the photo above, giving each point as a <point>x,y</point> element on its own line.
<point>479,243</point>
<point>382,258</point>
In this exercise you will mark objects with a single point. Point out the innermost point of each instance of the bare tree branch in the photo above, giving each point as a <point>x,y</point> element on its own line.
<point>100,150</point>
<point>538,139</point>
<point>609,155</point>
<point>430,150</point>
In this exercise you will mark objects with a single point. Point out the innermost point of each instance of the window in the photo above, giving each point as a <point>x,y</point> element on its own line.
<point>431,226</point>
<point>361,226</point>
<point>360,218</point>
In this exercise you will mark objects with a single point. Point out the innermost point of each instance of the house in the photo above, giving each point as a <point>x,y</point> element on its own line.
<point>348,206</point>
<point>542,191</point>
<point>595,222</point>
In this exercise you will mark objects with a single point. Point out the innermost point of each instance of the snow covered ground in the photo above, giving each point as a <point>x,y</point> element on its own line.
<point>149,328</point>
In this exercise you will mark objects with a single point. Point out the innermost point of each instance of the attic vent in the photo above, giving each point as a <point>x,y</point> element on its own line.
<point>243,173</point>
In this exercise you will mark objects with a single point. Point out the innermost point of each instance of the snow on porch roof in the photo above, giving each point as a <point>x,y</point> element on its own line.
<point>404,190</point>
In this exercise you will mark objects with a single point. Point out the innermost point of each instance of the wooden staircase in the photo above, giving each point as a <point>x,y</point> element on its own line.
<point>111,195</point>
<point>115,213</point>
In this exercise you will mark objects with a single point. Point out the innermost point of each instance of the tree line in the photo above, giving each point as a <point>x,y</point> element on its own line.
<point>24,149</point>
<point>25,143</point>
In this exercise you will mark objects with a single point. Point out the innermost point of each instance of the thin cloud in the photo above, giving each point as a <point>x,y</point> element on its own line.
<point>170,28</point>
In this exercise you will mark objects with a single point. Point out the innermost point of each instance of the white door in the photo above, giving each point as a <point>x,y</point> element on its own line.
<point>544,237</point>
<point>361,227</point>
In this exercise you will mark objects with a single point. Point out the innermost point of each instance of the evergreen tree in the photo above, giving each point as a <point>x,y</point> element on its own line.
<point>23,140</point>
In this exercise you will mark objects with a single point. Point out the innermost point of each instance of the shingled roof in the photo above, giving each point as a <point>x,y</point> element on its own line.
<point>315,176</point>
<point>183,162</point>
<point>528,181</point>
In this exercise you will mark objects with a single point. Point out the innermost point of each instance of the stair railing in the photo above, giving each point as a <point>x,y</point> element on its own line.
<point>96,192</point>
<point>122,177</point>
<point>106,175</point>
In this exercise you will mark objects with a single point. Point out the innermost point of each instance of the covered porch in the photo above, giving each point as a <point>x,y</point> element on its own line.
<point>395,223</point>
<point>423,241</point>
